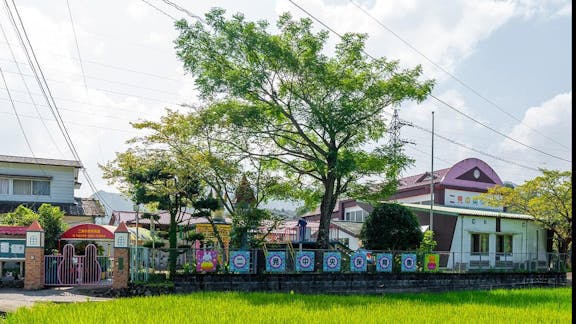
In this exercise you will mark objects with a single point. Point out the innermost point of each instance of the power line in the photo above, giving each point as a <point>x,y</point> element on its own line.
<point>496,131</point>
<point>465,85</point>
<point>17,116</point>
<point>109,91</point>
<point>40,75</point>
<point>184,10</point>
<point>160,10</point>
<point>441,101</point>
<point>74,123</point>
<point>94,78</point>
<point>29,93</point>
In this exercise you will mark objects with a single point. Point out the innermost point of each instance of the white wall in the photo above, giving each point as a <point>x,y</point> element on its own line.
<point>61,184</point>
<point>528,239</point>
<point>415,199</point>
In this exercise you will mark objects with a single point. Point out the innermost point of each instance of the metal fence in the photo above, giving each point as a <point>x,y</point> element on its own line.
<point>291,260</point>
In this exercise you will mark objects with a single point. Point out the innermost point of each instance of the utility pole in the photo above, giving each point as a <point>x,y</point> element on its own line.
<point>432,179</point>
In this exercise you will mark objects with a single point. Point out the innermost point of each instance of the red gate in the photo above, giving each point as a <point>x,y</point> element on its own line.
<point>69,269</point>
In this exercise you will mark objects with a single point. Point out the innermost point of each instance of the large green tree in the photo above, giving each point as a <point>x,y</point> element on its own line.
<point>50,218</point>
<point>391,226</point>
<point>548,198</point>
<point>308,115</point>
<point>155,176</point>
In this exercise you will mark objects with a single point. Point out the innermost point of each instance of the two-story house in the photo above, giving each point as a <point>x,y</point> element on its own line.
<point>34,181</point>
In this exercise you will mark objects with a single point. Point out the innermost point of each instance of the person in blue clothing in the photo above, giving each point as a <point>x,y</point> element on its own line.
<point>302,224</point>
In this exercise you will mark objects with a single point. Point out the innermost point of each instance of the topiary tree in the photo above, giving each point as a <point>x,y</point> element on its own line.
<point>391,227</point>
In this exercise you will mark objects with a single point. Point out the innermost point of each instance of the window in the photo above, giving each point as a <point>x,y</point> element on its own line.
<point>480,243</point>
<point>31,187</point>
<point>22,187</point>
<point>356,216</point>
<point>4,186</point>
<point>40,188</point>
<point>504,244</point>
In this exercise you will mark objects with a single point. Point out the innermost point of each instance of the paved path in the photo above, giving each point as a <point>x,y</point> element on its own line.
<point>13,298</point>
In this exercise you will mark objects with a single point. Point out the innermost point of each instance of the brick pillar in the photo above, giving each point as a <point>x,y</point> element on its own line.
<point>121,269</point>
<point>34,257</point>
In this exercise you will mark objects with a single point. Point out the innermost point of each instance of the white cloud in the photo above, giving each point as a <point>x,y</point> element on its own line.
<point>137,10</point>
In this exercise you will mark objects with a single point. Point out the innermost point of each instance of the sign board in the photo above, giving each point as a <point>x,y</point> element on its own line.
<point>358,262</point>
<point>304,261</point>
<point>88,232</point>
<point>276,261</point>
<point>12,249</point>
<point>332,261</point>
<point>466,199</point>
<point>206,260</point>
<point>408,262</point>
<point>240,261</point>
<point>384,262</point>
<point>431,262</point>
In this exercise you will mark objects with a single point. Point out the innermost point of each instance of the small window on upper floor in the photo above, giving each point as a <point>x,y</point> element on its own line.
<point>31,187</point>
<point>4,186</point>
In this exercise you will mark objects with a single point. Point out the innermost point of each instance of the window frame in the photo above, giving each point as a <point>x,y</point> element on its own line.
<point>501,244</point>
<point>481,246</point>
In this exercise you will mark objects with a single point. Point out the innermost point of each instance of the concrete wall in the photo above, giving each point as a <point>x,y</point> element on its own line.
<point>364,283</point>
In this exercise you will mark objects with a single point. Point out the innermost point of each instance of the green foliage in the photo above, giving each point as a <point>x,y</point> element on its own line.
<point>428,243</point>
<point>305,115</point>
<point>538,305</point>
<point>391,226</point>
<point>548,198</point>
<point>48,216</point>
<point>156,176</point>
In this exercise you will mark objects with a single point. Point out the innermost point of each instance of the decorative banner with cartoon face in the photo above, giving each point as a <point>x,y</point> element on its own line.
<point>276,261</point>
<point>304,261</point>
<point>240,261</point>
<point>431,262</point>
<point>384,262</point>
<point>206,260</point>
<point>408,262</point>
<point>332,261</point>
<point>358,262</point>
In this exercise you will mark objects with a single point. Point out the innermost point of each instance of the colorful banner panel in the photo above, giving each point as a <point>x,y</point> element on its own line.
<point>240,261</point>
<point>332,261</point>
<point>408,262</point>
<point>384,262</point>
<point>358,262</point>
<point>206,260</point>
<point>431,262</point>
<point>276,261</point>
<point>304,261</point>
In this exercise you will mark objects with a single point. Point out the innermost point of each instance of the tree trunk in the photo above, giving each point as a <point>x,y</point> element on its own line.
<point>326,208</point>
<point>173,252</point>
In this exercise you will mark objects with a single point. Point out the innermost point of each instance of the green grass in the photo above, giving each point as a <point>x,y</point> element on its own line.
<point>496,306</point>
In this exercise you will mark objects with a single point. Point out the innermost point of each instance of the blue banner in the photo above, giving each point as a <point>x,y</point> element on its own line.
<point>332,261</point>
<point>276,261</point>
<point>304,261</point>
<point>384,262</point>
<point>358,262</point>
<point>408,262</point>
<point>240,261</point>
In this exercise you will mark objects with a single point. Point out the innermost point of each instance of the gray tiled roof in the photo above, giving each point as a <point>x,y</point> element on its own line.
<point>31,160</point>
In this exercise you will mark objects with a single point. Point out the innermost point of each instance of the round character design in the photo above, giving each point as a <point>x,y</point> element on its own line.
<point>207,264</point>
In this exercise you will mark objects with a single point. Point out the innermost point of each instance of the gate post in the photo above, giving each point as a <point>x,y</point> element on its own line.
<point>34,257</point>
<point>121,269</point>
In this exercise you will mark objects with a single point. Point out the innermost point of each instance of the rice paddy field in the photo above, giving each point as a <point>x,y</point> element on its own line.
<point>553,305</point>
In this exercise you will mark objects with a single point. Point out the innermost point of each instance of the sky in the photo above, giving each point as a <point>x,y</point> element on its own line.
<point>502,69</point>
